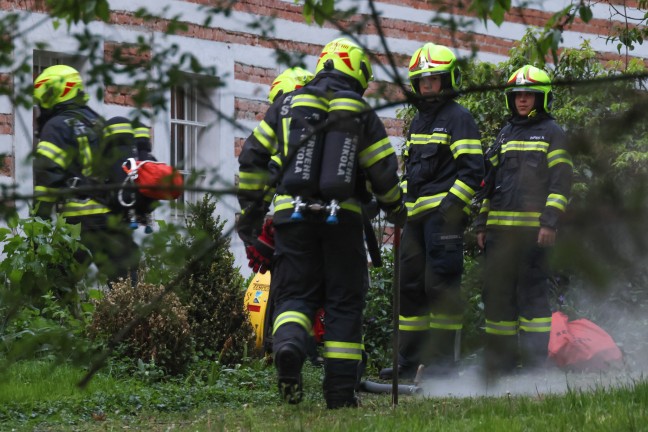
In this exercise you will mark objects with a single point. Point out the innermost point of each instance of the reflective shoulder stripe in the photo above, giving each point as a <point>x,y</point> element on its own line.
<point>54,153</point>
<point>118,128</point>
<point>308,100</point>
<point>142,132</point>
<point>347,104</point>
<point>375,152</point>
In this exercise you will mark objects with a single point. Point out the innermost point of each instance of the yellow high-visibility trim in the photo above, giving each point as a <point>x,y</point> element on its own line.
<point>311,101</point>
<point>540,146</point>
<point>46,194</point>
<point>118,128</point>
<point>266,136</point>
<point>424,203</point>
<point>559,156</point>
<point>446,322</point>
<point>252,180</point>
<point>462,191</point>
<point>375,152</point>
<point>435,138</point>
<point>293,317</point>
<point>501,328</point>
<point>343,350</point>
<point>347,104</point>
<point>414,323</point>
<point>83,208</point>
<point>535,325</point>
<point>466,146</point>
<point>558,201</point>
<point>506,218</point>
<point>54,153</point>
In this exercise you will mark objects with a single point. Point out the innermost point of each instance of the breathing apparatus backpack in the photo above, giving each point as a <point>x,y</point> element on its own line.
<point>323,140</point>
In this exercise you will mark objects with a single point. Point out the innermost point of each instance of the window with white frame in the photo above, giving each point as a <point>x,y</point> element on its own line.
<point>187,135</point>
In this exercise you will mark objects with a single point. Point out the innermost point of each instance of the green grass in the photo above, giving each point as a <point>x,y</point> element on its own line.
<point>37,396</point>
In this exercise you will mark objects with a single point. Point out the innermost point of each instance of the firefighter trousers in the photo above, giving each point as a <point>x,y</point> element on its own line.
<point>516,299</point>
<point>431,306</point>
<point>322,265</point>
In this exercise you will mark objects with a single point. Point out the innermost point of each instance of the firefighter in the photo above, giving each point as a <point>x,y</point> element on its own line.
<point>530,180</point>
<point>443,168</point>
<point>72,152</point>
<point>325,140</point>
<point>260,256</point>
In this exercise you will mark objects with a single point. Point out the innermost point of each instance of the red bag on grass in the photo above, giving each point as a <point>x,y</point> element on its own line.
<point>581,345</point>
<point>157,174</point>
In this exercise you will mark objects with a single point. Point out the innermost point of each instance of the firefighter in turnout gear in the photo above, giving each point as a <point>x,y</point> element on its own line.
<point>518,221</point>
<point>443,168</point>
<point>71,153</point>
<point>315,144</point>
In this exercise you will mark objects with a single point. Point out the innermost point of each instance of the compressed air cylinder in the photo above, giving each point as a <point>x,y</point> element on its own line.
<point>340,154</point>
<point>308,111</point>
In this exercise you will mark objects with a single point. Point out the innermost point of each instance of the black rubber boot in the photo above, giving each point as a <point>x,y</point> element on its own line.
<point>289,361</point>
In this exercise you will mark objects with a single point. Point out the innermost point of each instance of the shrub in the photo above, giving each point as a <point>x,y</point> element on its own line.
<point>213,292</point>
<point>161,334</point>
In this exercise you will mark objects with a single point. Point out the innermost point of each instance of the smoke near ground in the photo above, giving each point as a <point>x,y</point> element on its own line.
<point>621,310</point>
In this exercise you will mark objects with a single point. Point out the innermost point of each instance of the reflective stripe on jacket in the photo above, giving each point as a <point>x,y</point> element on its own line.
<point>443,159</point>
<point>533,178</point>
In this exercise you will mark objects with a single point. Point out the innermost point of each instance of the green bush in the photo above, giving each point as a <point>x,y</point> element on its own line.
<point>213,291</point>
<point>161,334</point>
<point>41,311</point>
<point>377,321</point>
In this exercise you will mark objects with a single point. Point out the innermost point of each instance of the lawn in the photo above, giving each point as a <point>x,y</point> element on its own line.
<point>41,397</point>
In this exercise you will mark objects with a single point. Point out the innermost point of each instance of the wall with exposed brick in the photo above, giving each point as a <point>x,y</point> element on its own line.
<point>245,59</point>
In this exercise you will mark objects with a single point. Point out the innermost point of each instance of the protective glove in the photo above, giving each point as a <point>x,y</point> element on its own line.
<point>397,215</point>
<point>261,250</point>
<point>249,225</point>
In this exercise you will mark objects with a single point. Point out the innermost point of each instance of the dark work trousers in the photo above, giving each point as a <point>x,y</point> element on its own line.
<point>431,306</point>
<point>515,293</point>
<point>112,249</point>
<point>321,265</point>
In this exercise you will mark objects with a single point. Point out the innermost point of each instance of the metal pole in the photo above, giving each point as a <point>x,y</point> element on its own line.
<point>395,314</point>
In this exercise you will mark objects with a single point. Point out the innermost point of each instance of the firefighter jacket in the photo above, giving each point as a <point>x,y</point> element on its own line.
<point>443,159</point>
<point>265,153</point>
<point>66,156</point>
<point>533,175</point>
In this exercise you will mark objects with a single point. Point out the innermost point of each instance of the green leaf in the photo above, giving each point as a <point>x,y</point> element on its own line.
<point>497,14</point>
<point>585,13</point>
